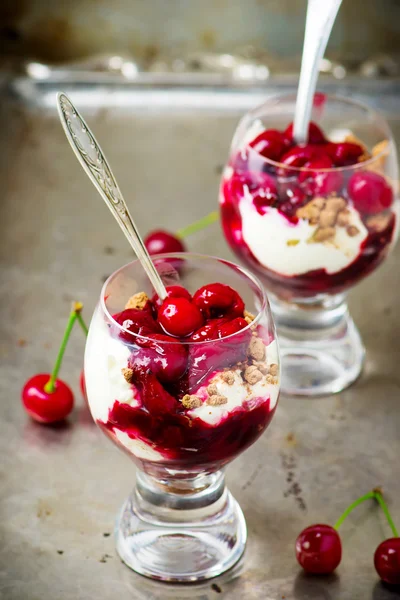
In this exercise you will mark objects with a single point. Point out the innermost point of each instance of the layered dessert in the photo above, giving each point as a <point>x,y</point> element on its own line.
<point>188,382</point>
<point>311,219</point>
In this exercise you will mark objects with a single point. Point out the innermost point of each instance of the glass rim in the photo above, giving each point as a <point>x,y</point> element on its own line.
<point>250,116</point>
<point>181,255</point>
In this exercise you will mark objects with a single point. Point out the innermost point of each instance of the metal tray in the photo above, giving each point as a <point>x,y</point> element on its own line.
<point>61,487</point>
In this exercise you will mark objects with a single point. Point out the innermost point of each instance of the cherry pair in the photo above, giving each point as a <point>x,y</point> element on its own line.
<point>319,548</point>
<point>46,398</point>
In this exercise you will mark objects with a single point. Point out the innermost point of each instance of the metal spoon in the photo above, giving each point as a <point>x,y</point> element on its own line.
<point>321,16</point>
<point>96,167</point>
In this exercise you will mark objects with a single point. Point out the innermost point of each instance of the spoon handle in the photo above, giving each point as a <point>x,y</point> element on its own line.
<point>88,152</point>
<point>321,15</point>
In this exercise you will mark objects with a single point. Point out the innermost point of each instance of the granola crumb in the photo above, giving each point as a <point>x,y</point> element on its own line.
<point>252,375</point>
<point>327,218</point>
<point>138,301</point>
<point>228,377</point>
<point>273,369</point>
<point>343,218</point>
<point>378,223</point>
<point>336,203</point>
<point>191,401</point>
<point>352,230</point>
<point>248,315</point>
<point>261,366</point>
<point>272,380</point>
<point>128,374</point>
<point>292,242</point>
<point>212,389</point>
<point>217,400</point>
<point>256,349</point>
<point>324,234</point>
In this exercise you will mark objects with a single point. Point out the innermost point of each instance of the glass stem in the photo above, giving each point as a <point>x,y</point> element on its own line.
<point>50,385</point>
<point>198,225</point>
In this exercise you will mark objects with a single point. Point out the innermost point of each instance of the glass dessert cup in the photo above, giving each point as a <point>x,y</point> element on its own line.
<point>311,222</point>
<point>182,410</point>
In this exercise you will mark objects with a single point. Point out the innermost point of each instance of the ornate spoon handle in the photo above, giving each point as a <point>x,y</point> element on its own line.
<point>94,163</point>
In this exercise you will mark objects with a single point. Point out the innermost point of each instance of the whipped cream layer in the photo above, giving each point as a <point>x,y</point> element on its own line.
<point>285,247</point>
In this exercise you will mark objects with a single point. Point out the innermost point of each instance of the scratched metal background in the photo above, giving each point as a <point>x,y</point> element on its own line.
<point>61,488</point>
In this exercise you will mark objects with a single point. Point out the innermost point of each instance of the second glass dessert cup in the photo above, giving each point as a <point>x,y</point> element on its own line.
<point>182,410</point>
<point>312,221</point>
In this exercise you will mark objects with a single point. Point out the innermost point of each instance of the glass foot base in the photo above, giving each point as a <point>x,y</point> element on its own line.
<point>321,349</point>
<point>182,531</point>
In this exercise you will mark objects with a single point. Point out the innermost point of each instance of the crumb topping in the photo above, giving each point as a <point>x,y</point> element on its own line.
<point>217,400</point>
<point>273,369</point>
<point>212,389</point>
<point>256,348</point>
<point>326,214</point>
<point>379,222</point>
<point>228,377</point>
<point>252,375</point>
<point>191,401</point>
<point>128,374</point>
<point>138,301</point>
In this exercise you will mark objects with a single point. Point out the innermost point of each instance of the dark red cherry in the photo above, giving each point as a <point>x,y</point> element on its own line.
<point>270,144</point>
<point>315,134</point>
<point>387,561</point>
<point>154,397</point>
<point>298,156</point>
<point>179,316</point>
<point>370,192</point>
<point>264,192</point>
<point>218,300</point>
<point>209,331</point>
<point>160,242</point>
<point>316,181</point>
<point>135,321</point>
<point>344,153</point>
<point>231,327</point>
<point>166,358</point>
<point>319,549</point>
<point>43,406</point>
<point>173,291</point>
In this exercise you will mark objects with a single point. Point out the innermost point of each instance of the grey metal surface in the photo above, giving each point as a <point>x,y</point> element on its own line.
<point>61,487</point>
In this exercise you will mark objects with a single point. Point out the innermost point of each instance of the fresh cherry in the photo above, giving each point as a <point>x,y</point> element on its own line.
<point>162,242</point>
<point>319,182</point>
<point>168,361</point>
<point>315,134</point>
<point>47,406</point>
<point>270,144</point>
<point>179,316</point>
<point>218,300</point>
<point>344,153</point>
<point>319,549</point>
<point>136,321</point>
<point>155,398</point>
<point>370,192</point>
<point>387,561</point>
<point>173,291</point>
<point>230,327</point>
<point>297,156</point>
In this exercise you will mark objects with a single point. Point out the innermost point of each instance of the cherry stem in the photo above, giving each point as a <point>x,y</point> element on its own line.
<point>376,494</point>
<point>352,507</point>
<point>82,323</point>
<point>50,387</point>
<point>198,225</point>
<point>383,505</point>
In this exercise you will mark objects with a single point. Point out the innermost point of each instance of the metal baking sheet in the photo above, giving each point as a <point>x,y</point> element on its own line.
<point>62,487</point>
